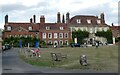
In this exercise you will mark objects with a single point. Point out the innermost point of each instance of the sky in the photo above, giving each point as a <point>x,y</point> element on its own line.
<point>23,10</point>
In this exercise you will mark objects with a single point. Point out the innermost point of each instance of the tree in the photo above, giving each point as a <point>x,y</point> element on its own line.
<point>80,35</point>
<point>106,34</point>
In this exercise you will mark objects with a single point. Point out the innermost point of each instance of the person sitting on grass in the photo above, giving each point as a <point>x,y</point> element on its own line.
<point>37,51</point>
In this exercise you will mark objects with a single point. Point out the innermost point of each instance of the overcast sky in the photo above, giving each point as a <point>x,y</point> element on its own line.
<point>23,10</point>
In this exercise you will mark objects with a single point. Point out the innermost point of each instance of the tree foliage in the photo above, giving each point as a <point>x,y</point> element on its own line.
<point>25,40</point>
<point>106,34</point>
<point>80,35</point>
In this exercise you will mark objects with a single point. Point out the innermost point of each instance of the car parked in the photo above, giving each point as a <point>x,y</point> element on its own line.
<point>75,45</point>
<point>6,47</point>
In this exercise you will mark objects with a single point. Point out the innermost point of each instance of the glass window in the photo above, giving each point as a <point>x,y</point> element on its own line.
<point>98,21</point>
<point>44,35</point>
<point>47,28</point>
<point>66,35</point>
<point>30,28</point>
<point>66,42</point>
<point>78,20</point>
<point>61,42</point>
<point>100,29</point>
<point>88,21</point>
<point>49,42</point>
<point>49,35</point>
<point>61,35</point>
<point>61,28</point>
<point>9,28</point>
<point>91,30</point>
<point>55,35</point>
<point>105,29</point>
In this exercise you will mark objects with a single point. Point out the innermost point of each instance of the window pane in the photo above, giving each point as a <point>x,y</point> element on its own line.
<point>55,35</point>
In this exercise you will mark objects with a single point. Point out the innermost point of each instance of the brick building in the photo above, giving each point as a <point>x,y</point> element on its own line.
<point>92,24</point>
<point>61,31</point>
<point>52,33</point>
<point>115,32</point>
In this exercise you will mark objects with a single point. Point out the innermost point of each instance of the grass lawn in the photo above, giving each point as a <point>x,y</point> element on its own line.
<point>104,58</point>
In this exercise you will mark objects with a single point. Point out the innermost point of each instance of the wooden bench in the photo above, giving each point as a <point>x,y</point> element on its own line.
<point>58,56</point>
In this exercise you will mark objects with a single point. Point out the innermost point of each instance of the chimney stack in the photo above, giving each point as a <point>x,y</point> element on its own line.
<point>6,19</point>
<point>112,24</point>
<point>34,19</point>
<point>58,18</point>
<point>42,19</point>
<point>102,18</point>
<point>67,17</point>
<point>30,20</point>
<point>63,19</point>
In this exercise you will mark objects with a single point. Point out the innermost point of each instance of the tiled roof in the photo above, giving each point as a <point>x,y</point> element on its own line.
<point>83,19</point>
<point>37,26</point>
<point>24,25</point>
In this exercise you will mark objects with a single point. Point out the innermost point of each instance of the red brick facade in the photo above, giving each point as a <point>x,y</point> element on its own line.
<point>115,30</point>
<point>53,33</point>
<point>56,33</point>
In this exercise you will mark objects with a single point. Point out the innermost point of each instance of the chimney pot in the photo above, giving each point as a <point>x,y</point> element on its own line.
<point>34,19</point>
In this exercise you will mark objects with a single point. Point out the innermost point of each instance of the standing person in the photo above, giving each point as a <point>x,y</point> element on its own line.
<point>96,45</point>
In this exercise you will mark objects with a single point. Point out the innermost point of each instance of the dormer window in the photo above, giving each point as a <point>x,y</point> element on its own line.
<point>78,20</point>
<point>9,28</point>
<point>88,21</point>
<point>98,21</point>
<point>47,28</point>
<point>61,28</point>
<point>30,28</point>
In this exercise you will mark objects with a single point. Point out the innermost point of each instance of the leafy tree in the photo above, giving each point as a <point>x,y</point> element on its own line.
<point>117,39</point>
<point>80,35</point>
<point>106,34</point>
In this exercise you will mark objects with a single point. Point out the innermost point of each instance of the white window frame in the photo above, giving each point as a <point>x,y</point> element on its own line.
<point>100,29</point>
<point>9,28</point>
<point>89,21</point>
<point>105,29</point>
<point>98,21</point>
<point>50,35</point>
<point>30,28</point>
<point>65,35</point>
<point>61,42</point>
<point>50,42</point>
<point>47,28</point>
<point>81,29</point>
<point>60,35</point>
<point>78,20</point>
<point>61,28</point>
<point>55,35</point>
<point>44,35</point>
<point>91,30</point>
<point>66,41</point>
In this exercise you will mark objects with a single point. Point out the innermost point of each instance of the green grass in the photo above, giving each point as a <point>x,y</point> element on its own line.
<point>102,58</point>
